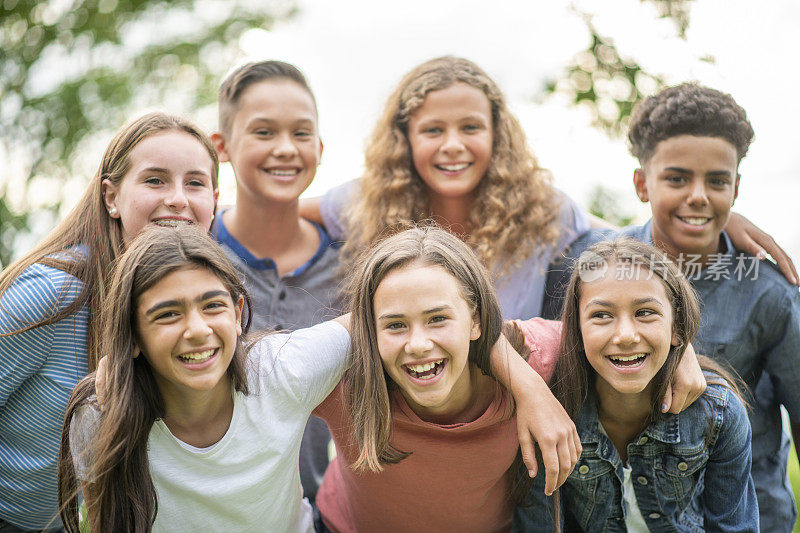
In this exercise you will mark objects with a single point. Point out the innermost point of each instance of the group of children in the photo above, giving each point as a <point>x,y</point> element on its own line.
<point>439,258</point>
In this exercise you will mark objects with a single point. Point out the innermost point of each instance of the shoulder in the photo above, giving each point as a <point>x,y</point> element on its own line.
<point>283,348</point>
<point>775,296</point>
<point>542,337</point>
<point>38,292</point>
<point>333,208</point>
<point>721,404</point>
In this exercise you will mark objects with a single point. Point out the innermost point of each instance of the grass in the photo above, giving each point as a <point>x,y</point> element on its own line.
<point>794,478</point>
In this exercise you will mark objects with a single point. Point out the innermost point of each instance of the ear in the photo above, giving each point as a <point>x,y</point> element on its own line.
<point>736,189</point>
<point>136,350</point>
<point>475,331</point>
<point>109,190</point>
<point>676,339</point>
<point>640,183</point>
<point>239,309</point>
<point>319,158</point>
<point>218,140</point>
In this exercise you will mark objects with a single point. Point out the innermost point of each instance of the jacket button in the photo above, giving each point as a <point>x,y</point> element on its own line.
<point>683,467</point>
<point>583,469</point>
<point>642,440</point>
<point>641,480</point>
<point>654,515</point>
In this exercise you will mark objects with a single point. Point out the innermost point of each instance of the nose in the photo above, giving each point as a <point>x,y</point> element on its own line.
<point>452,144</point>
<point>626,333</point>
<point>176,198</point>
<point>418,342</point>
<point>698,195</point>
<point>284,146</point>
<point>196,327</point>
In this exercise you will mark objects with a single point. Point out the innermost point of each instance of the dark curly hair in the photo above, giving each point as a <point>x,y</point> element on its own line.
<point>688,109</point>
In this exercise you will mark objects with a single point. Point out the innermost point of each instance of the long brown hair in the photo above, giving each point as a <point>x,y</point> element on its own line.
<point>574,376</point>
<point>89,225</point>
<point>516,210</point>
<point>367,397</point>
<point>119,473</point>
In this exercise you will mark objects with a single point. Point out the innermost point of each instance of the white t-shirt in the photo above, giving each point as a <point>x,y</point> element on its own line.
<point>249,480</point>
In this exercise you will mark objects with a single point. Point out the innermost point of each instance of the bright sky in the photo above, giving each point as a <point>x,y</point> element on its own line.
<point>355,51</point>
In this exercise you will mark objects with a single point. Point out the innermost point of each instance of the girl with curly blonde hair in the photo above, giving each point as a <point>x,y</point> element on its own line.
<point>448,148</point>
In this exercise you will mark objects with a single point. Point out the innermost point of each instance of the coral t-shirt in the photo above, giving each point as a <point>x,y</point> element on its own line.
<point>457,477</point>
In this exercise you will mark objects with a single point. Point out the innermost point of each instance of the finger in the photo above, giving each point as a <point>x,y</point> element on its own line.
<point>679,398</point>
<point>565,461</point>
<point>667,403</point>
<point>100,381</point>
<point>528,450</point>
<point>786,266</point>
<point>550,462</point>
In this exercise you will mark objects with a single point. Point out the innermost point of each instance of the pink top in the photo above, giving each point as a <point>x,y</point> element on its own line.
<point>457,477</point>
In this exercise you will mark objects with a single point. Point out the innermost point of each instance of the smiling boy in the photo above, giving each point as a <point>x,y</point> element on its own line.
<point>269,135</point>
<point>689,140</point>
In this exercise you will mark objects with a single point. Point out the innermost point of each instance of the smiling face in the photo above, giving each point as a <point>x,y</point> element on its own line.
<point>273,143</point>
<point>424,328</point>
<point>186,327</point>
<point>626,325</point>
<point>691,183</point>
<point>168,182</point>
<point>451,140</point>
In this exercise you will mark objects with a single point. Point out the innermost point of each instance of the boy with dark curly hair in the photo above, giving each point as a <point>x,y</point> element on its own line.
<point>689,140</point>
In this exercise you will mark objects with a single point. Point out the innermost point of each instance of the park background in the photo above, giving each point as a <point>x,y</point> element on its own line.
<point>72,71</point>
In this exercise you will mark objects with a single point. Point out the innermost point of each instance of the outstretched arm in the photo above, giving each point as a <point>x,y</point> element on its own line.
<point>688,384</point>
<point>540,417</point>
<point>746,236</point>
<point>310,209</point>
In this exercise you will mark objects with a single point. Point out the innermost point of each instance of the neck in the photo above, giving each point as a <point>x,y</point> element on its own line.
<point>452,213</point>
<point>199,418</point>
<point>623,415</point>
<point>266,231</point>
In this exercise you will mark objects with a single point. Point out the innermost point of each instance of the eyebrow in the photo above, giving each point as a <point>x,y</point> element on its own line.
<point>687,171</point>
<point>267,120</point>
<point>430,311</point>
<point>159,170</point>
<point>173,303</point>
<point>638,301</point>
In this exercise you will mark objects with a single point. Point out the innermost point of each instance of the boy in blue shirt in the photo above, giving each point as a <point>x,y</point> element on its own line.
<point>269,134</point>
<point>689,141</point>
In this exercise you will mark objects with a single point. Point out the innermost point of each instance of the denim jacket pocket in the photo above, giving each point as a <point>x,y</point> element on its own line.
<point>588,490</point>
<point>681,476</point>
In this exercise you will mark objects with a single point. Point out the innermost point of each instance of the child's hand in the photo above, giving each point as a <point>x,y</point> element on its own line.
<point>746,236</point>
<point>540,417</point>
<point>688,384</point>
<point>100,381</point>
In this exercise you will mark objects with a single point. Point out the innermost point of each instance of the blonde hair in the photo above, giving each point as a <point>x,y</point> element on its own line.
<point>89,225</point>
<point>516,209</point>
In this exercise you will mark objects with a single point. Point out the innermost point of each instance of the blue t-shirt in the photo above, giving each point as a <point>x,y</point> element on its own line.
<point>38,370</point>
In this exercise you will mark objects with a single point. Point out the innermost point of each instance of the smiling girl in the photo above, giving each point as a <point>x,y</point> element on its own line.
<point>158,169</point>
<point>628,315</point>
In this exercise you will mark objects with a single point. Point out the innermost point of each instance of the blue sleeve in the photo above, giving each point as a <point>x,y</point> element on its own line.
<point>781,331</point>
<point>333,209</point>
<point>31,297</point>
<point>573,221</point>
<point>537,512</point>
<point>729,495</point>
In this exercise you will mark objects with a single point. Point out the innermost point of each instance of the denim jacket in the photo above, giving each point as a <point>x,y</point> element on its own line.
<point>691,472</point>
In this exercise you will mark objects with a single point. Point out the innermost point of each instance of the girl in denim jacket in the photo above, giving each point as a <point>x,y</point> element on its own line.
<point>628,316</point>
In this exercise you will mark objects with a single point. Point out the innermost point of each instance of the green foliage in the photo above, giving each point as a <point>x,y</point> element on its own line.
<point>74,70</point>
<point>606,81</point>
<point>604,203</point>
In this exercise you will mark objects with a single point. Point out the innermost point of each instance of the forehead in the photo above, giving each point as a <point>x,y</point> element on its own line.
<point>185,283</point>
<point>693,152</point>
<point>275,98</point>
<point>455,101</point>
<point>418,285</point>
<point>170,149</point>
<point>623,283</point>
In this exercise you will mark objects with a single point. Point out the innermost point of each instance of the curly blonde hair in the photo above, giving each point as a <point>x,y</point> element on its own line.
<point>515,213</point>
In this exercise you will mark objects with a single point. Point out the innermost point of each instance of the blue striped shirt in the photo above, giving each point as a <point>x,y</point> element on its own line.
<point>38,370</point>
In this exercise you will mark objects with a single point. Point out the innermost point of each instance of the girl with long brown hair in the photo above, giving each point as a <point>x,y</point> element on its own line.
<point>158,169</point>
<point>628,316</point>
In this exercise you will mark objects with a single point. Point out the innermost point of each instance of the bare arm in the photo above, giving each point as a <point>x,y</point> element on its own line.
<point>310,209</point>
<point>596,222</point>
<point>540,417</point>
<point>688,384</point>
<point>746,236</point>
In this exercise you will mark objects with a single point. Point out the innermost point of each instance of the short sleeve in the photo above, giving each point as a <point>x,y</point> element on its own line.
<point>333,209</point>
<point>82,430</point>
<point>305,364</point>
<point>542,337</point>
<point>573,221</point>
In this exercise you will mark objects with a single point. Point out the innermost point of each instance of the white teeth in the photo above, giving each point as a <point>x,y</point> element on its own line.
<point>170,222</point>
<point>695,221</point>
<point>454,168</point>
<point>626,357</point>
<point>423,367</point>
<point>278,172</point>
<point>197,357</point>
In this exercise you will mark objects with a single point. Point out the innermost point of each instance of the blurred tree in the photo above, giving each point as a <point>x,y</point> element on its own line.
<point>608,82</point>
<point>71,71</point>
<point>605,203</point>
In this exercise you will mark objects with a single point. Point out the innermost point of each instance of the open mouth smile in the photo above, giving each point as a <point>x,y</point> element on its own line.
<point>171,222</point>
<point>196,358</point>
<point>628,361</point>
<point>453,167</point>
<point>282,172</point>
<point>695,221</point>
<point>425,371</point>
